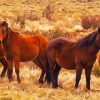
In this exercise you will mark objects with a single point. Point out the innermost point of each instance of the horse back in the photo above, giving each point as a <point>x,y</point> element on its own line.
<point>61,50</point>
<point>60,43</point>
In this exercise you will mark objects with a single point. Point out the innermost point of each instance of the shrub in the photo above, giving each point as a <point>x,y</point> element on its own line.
<point>90,22</point>
<point>85,22</point>
<point>48,11</point>
<point>21,21</point>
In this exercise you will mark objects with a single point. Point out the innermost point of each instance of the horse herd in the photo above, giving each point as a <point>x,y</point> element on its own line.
<point>49,56</point>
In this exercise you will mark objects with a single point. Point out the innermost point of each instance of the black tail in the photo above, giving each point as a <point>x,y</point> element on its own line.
<point>47,70</point>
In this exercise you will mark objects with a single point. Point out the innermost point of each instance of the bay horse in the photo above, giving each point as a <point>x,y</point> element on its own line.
<point>73,56</point>
<point>21,48</point>
<point>3,61</point>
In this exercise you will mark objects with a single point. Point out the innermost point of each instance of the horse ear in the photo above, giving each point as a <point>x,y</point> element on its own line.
<point>4,23</point>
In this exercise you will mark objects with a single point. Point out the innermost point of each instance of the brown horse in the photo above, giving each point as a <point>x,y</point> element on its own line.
<point>20,48</point>
<point>72,55</point>
<point>3,61</point>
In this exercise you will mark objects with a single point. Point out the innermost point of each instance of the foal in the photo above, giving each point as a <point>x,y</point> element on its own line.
<point>72,55</point>
<point>21,48</point>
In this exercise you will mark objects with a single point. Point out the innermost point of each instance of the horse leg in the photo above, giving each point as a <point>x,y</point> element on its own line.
<point>5,66</point>
<point>38,63</point>
<point>53,78</point>
<point>56,72</point>
<point>78,75</point>
<point>42,76</point>
<point>53,75</point>
<point>17,66</point>
<point>87,73</point>
<point>51,66</point>
<point>10,69</point>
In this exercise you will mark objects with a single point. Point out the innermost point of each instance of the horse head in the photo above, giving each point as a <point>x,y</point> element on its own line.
<point>3,30</point>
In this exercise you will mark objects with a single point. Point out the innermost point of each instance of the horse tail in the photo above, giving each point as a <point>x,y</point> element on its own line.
<point>47,70</point>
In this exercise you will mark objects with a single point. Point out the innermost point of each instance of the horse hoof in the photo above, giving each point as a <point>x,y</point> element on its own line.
<point>41,81</point>
<point>10,80</point>
<point>87,89</point>
<point>19,81</point>
<point>54,85</point>
<point>2,76</point>
<point>48,81</point>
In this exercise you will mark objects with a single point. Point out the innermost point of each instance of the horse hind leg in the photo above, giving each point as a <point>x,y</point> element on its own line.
<point>53,73</point>
<point>41,79</point>
<point>50,67</point>
<point>5,66</point>
<point>38,63</point>
<point>56,72</point>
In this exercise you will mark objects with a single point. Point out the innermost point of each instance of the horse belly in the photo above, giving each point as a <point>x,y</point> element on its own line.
<point>24,59</point>
<point>67,63</point>
<point>69,66</point>
<point>29,54</point>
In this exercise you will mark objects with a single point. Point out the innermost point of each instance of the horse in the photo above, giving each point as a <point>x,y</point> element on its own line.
<point>21,48</point>
<point>3,61</point>
<point>71,55</point>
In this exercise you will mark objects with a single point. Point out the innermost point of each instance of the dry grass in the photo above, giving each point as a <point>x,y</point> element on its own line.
<point>65,15</point>
<point>30,89</point>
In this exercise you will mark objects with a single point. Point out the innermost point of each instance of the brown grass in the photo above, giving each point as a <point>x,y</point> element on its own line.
<point>30,89</point>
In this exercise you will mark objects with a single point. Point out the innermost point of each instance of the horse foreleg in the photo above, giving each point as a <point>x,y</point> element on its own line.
<point>5,66</point>
<point>42,76</point>
<point>10,69</point>
<point>17,66</point>
<point>87,73</point>
<point>78,75</point>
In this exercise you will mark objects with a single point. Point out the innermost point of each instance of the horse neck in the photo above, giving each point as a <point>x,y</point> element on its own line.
<point>93,49</point>
<point>8,37</point>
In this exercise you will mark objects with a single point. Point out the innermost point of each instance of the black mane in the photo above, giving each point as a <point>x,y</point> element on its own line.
<point>89,39</point>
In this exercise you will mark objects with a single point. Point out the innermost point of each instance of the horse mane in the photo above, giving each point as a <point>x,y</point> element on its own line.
<point>89,39</point>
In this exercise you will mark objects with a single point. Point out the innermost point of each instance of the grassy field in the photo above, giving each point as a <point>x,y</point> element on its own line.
<point>64,19</point>
<point>30,89</point>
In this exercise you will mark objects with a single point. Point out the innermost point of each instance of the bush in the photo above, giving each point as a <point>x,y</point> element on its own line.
<point>90,22</point>
<point>21,21</point>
